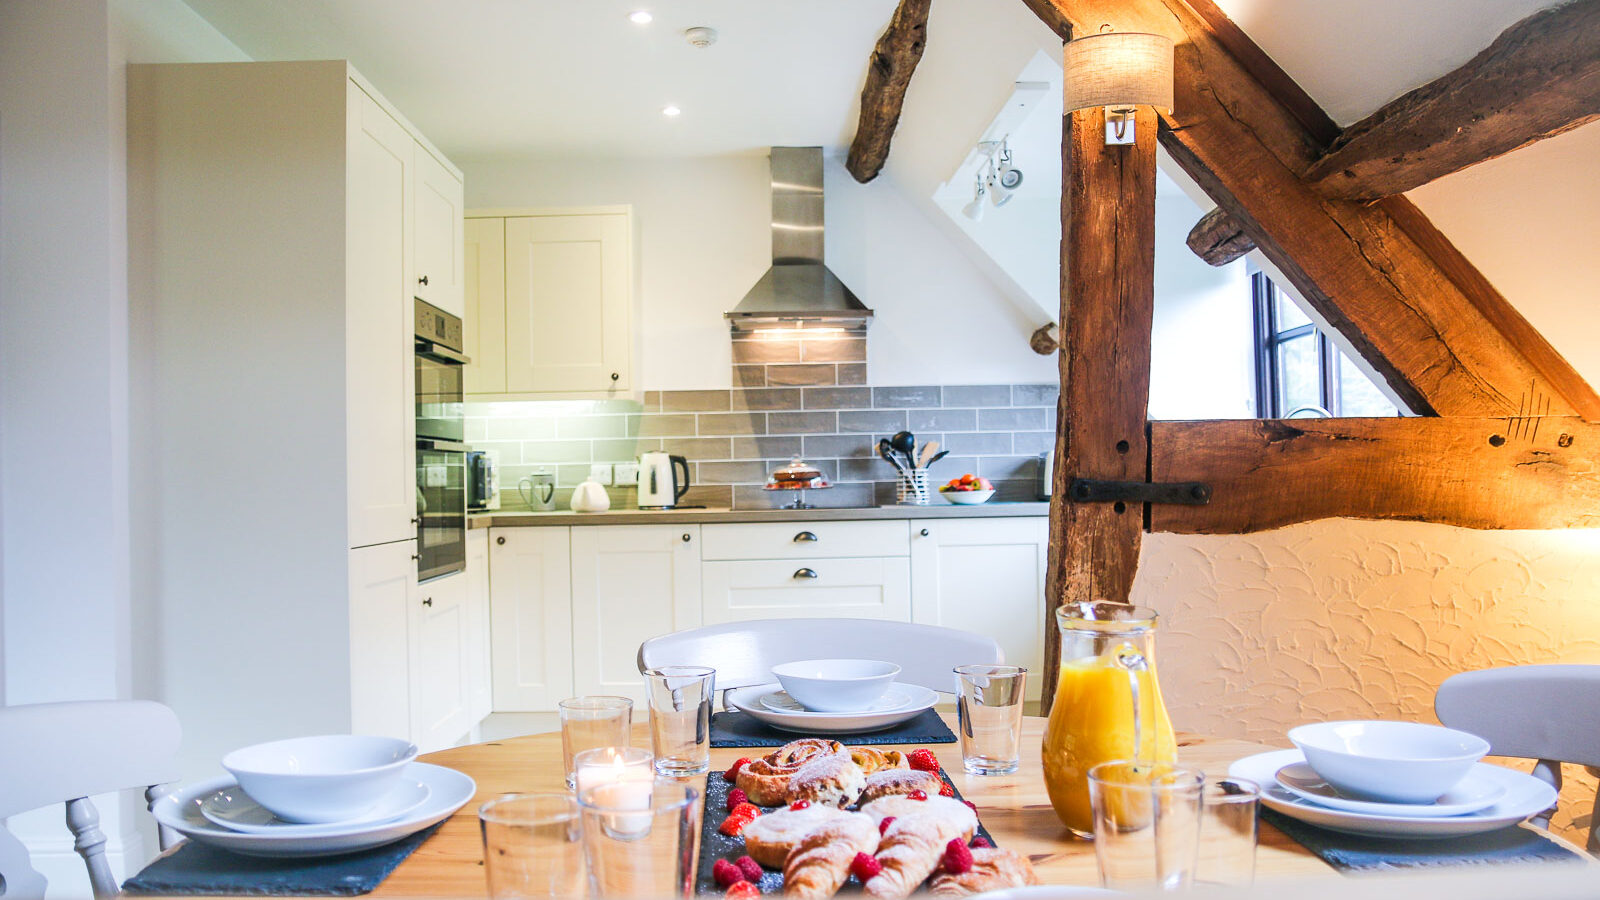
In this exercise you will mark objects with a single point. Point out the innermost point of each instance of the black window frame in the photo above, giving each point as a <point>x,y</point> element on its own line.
<point>1268,336</point>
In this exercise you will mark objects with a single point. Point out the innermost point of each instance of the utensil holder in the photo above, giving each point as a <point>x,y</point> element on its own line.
<point>911,488</point>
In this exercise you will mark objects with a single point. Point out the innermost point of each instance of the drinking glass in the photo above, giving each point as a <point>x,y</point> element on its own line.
<point>1146,824</point>
<point>531,846</point>
<point>589,722</point>
<point>641,840</point>
<point>1228,831</point>
<point>680,717</point>
<point>989,712</point>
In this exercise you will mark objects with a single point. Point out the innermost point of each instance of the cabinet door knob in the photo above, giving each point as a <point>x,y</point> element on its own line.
<point>616,376</point>
<point>416,520</point>
<point>805,573</point>
<point>501,540</point>
<point>422,280</point>
<point>805,537</point>
<point>686,537</point>
<point>924,532</point>
<point>416,556</point>
<point>427,601</point>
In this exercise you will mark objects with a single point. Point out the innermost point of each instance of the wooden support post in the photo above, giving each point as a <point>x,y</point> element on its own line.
<point>1108,216</point>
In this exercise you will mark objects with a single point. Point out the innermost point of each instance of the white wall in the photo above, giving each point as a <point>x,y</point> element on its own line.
<point>703,240</point>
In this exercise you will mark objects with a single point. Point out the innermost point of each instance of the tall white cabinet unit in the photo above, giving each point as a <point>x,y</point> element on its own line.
<point>273,212</point>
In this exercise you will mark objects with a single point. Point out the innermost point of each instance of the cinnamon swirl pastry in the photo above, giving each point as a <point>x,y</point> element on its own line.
<point>766,780</point>
<point>834,779</point>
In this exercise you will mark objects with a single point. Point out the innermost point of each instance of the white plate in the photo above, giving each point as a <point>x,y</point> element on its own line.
<point>448,791</point>
<point>896,698</point>
<point>748,699</point>
<point>1475,792</point>
<point>1047,892</point>
<point>236,810</point>
<point>1525,796</point>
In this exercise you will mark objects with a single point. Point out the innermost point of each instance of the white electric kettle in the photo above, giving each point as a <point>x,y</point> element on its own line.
<point>659,485</point>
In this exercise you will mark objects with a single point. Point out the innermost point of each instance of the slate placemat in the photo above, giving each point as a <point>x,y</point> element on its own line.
<point>196,868</point>
<point>715,845</point>
<point>740,729</point>
<point>1360,853</point>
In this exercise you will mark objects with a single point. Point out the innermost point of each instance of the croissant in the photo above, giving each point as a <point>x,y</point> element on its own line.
<point>819,864</point>
<point>911,849</point>
<point>993,869</point>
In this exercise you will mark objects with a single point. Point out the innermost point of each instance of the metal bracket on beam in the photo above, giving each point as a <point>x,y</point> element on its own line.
<point>1185,493</point>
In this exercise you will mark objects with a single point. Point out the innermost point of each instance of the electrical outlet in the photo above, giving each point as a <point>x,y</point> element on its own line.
<point>600,472</point>
<point>627,473</point>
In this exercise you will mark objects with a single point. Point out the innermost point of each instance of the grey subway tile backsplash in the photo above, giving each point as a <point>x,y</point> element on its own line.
<point>734,439</point>
<point>802,374</point>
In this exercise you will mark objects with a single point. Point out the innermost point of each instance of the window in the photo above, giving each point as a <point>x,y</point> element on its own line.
<point>1300,372</point>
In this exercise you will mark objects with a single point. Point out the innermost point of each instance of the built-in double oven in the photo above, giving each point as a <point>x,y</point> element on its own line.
<point>441,455</point>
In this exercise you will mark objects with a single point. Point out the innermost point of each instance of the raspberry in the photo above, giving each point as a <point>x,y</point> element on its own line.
<point>970,805</point>
<point>742,890</point>
<point>800,804</point>
<point>750,868</point>
<point>736,797</point>
<point>923,760</point>
<point>733,770</point>
<point>981,841</point>
<point>732,825</point>
<point>884,825</point>
<point>863,867</point>
<point>748,810</point>
<point>725,873</point>
<point>946,790</point>
<point>957,858</point>
<point>918,795</point>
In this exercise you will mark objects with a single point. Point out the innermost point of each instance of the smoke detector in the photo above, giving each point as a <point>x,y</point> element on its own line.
<point>700,36</point>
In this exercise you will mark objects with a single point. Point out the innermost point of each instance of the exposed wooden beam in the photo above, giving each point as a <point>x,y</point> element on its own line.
<point>1108,300</point>
<point>1539,78</point>
<point>1053,17</point>
<point>1435,334</point>
<point>888,76</point>
<point>1219,239</point>
<point>1519,472</point>
<point>1043,340</point>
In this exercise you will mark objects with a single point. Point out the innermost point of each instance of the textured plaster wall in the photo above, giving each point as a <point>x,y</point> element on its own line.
<point>1353,619</point>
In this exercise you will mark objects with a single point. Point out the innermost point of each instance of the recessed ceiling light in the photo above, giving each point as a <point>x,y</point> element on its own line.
<point>670,111</point>
<point>642,17</point>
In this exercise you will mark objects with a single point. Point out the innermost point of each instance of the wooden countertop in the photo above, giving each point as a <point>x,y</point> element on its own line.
<point>939,509</point>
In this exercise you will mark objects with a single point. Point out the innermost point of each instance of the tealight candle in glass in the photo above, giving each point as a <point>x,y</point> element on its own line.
<point>625,773</point>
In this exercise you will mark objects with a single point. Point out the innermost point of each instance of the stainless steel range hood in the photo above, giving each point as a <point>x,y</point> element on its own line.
<point>798,291</point>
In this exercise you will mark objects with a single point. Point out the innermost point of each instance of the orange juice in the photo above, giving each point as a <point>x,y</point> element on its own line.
<point>1091,722</point>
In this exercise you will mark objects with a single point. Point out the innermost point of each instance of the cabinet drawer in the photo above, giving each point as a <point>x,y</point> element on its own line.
<point>805,540</point>
<point>877,588</point>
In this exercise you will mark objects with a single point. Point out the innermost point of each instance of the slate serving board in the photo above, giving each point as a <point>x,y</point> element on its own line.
<point>740,729</point>
<point>715,845</point>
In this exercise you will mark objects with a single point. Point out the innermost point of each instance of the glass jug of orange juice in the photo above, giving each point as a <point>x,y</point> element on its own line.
<point>1107,704</point>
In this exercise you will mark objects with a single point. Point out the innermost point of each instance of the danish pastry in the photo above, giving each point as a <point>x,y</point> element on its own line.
<point>766,780</point>
<point>834,779</point>
<point>891,782</point>
<point>769,838</point>
<point>820,863</point>
<point>871,759</point>
<point>992,869</point>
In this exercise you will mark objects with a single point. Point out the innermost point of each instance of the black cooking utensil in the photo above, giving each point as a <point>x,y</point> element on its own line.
<point>888,457</point>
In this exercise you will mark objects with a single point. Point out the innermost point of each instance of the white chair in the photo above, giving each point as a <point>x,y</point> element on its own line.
<point>743,653</point>
<point>69,752</point>
<point>1546,713</point>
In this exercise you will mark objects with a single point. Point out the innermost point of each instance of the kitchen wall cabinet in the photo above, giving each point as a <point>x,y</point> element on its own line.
<point>530,616</point>
<point>274,209</point>
<point>552,295</point>
<point>985,576</point>
<point>437,271</point>
<point>629,583</point>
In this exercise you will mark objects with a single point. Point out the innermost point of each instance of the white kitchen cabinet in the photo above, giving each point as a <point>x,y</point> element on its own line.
<point>985,576</point>
<point>437,268</point>
<point>564,294</point>
<point>382,581</point>
<point>531,627</point>
<point>440,675</point>
<point>480,698</point>
<point>866,588</point>
<point>629,583</point>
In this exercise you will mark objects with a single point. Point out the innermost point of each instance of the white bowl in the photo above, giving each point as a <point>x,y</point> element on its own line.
<point>836,685</point>
<point>967,498</point>
<point>328,778</point>
<point>1393,762</point>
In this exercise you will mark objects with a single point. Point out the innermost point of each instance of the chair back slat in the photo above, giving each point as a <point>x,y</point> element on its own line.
<point>1535,712</point>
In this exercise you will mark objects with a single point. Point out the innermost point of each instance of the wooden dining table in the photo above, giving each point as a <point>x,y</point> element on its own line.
<point>1015,808</point>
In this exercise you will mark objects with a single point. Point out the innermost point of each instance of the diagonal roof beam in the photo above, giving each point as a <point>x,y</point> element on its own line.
<point>893,61</point>
<point>1438,332</point>
<point>1539,78</point>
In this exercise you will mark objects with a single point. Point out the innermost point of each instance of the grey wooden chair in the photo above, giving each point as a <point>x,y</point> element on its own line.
<point>69,752</point>
<point>1545,713</point>
<point>744,653</point>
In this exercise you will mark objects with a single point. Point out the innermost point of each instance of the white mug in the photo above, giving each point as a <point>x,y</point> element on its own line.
<point>538,491</point>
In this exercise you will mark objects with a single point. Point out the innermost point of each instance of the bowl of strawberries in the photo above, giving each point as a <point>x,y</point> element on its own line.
<point>968,490</point>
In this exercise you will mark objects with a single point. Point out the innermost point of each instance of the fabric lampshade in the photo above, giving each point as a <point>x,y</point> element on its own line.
<point>1119,69</point>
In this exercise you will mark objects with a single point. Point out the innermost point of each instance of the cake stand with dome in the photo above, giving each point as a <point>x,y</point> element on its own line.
<point>799,477</point>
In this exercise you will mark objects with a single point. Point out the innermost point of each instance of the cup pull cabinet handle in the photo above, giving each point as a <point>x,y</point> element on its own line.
<point>805,537</point>
<point>805,573</point>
